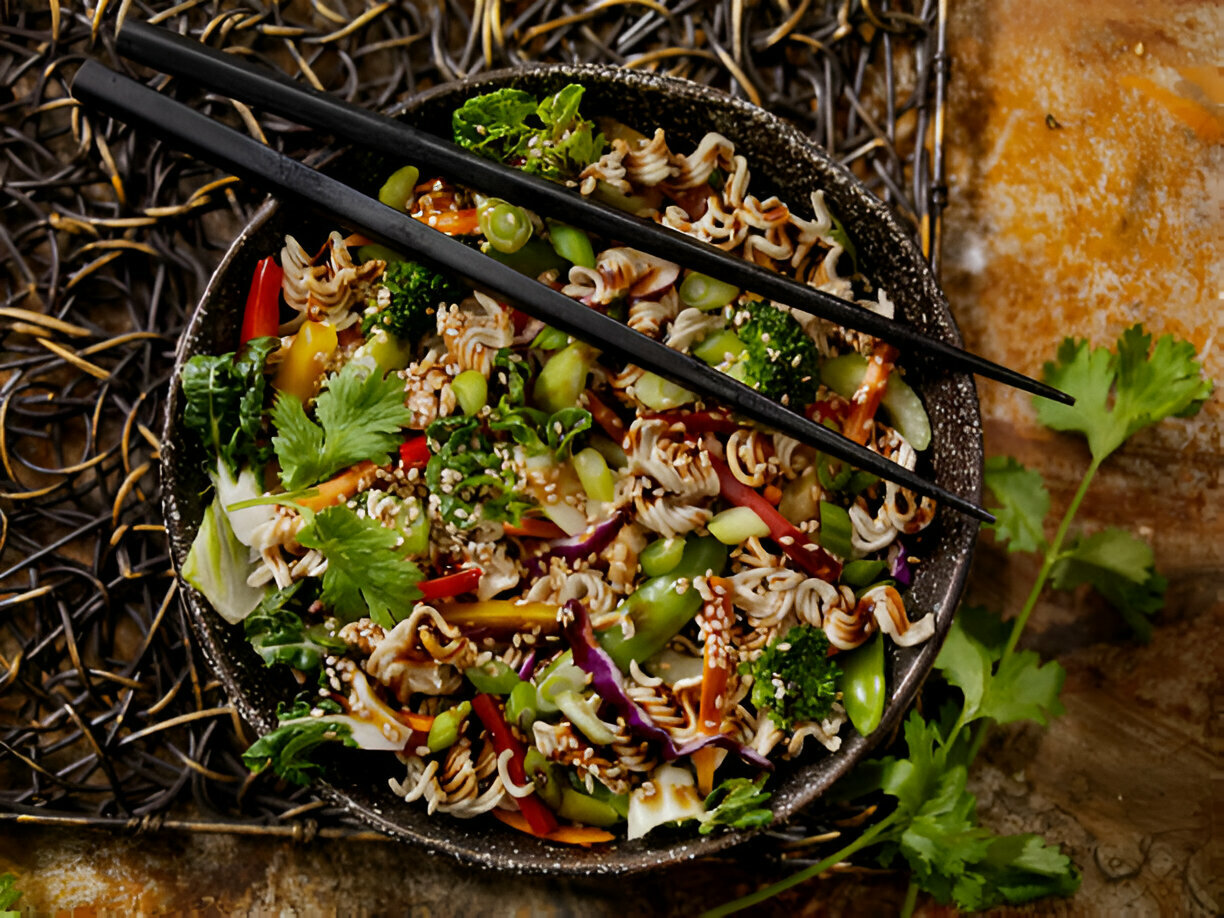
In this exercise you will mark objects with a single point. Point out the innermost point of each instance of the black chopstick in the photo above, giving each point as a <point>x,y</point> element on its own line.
<point>231,76</point>
<point>188,130</point>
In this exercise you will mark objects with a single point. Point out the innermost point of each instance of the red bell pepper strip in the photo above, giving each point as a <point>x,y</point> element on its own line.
<point>444,587</point>
<point>813,559</point>
<point>539,817</point>
<point>867,397</point>
<point>261,319</point>
<point>414,453</point>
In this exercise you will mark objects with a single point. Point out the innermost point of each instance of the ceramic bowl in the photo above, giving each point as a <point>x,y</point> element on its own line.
<point>782,160</point>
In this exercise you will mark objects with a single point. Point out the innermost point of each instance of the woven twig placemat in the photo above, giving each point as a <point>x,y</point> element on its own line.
<point>108,716</point>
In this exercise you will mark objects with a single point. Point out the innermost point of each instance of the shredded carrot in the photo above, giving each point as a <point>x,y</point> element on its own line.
<point>339,489</point>
<point>867,398</point>
<point>356,239</point>
<point>567,835</point>
<point>605,417</point>
<point>533,528</point>
<point>773,494</point>
<point>452,222</point>
<point>419,722</point>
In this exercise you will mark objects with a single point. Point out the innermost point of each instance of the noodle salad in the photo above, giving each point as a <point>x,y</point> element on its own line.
<point>559,590</point>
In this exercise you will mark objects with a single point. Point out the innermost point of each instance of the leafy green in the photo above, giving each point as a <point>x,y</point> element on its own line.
<point>218,565</point>
<point>9,894</point>
<point>738,803</point>
<point>1020,687</point>
<point>287,749</point>
<point>794,678</point>
<point>280,636</point>
<point>781,359</point>
<point>1121,567</point>
<point>365,575</point>
<point>935,830</point>
<point>360,414</point>
<point>416,292</point>
<point>224,402</point>
<point>1118,394</point>
<point>549,138</point>
<point>839,235</point>
<point>1024,503</point>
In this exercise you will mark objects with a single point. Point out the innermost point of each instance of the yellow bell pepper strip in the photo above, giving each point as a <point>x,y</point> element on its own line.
<point>539,818</point>
<point>337,490</point>
<point>261,318</point>
<point>301,369</point>
<point>813,559</point>
<point>716,618</point>
<point>867,398</point>
<point>566,835</point>
<point>500,613</point>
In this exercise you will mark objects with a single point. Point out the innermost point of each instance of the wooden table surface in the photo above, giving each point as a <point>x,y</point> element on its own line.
<point>1084,198</point>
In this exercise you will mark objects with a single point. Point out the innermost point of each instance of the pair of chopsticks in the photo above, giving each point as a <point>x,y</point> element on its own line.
<point>191,131</point>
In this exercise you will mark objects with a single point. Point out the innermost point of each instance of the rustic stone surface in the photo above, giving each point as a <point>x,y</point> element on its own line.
<point>1110,212</point>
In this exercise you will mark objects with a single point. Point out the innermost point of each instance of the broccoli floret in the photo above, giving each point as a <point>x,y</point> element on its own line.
<point>794,679</point>
<point>780,358</point>
<point>415,292</point>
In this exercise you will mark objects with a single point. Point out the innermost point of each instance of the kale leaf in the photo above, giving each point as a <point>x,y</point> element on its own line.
<point>279,635</point>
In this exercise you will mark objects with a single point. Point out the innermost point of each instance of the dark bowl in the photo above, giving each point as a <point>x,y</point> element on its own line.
<point>782,160</point>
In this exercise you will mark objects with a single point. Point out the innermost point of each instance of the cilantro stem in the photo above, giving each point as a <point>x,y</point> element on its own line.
<point>865,840</point>
<point>911,899</point>
<point>1051,556</point>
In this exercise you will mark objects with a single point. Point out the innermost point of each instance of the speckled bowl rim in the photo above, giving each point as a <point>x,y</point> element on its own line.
<point>494,846</point>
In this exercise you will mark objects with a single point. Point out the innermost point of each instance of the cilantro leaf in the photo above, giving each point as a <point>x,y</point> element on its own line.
<point>1024,503</point>
<point>9,894</point>
<point>1020,688</point>
<point>738,803</point>
<point>360,415</point>
<point>1119,566</point>
<point>1147,385</point>
<point>365,575</point>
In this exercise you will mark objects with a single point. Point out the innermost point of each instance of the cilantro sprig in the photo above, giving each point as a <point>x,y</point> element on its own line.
<point>360,414</point>
<point>933,827</point>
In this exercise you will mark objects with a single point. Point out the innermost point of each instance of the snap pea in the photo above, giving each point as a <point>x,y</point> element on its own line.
<point>658,611</point>
<point>543,775</point>
<point>835,530</point>
<point>661,556</point>
<point>506,226</point>
<point>572,244</point>
<point>706,293</point>
<point>586,810</point>
<point>862,573</point>
<point>444,731</point>
<point>493,678</point>
<point>397,189</point>
<point>471,391</point>
<point>862,684</point>
<point>413,525</point>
